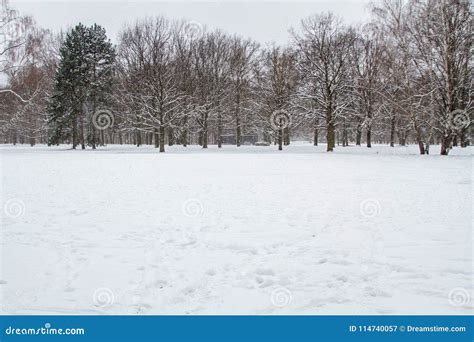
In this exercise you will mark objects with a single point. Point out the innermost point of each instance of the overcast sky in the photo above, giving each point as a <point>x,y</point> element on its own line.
<point>265,21</point>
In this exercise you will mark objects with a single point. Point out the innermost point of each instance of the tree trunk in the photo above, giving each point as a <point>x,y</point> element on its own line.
<point>162,138</point>
<point>421,146</point>
<point>330,137</point>
<point>170,137</point>
<point>93,133</point>
<point>369,136</point>
<point>184,136</point>
<point>419,138</point>
<point>238,132</point>
<point>219,130</point>
<point>315,136</point>
<point>345,137</point>
<point>402,137</point>
<point>445,145</point>
<point>464,139</point>
<point>358,134</point>
<point>83,144</point>
<point>392,132</point>
<point>93,142</point>
<point>156,137</point>
<point>74,133</point>
<point>280,139</point>
<point>286,136</point>
<point>204,134</point>
<point>138,135</point>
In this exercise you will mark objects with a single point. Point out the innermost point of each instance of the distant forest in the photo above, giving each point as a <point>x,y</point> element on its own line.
<point>405,76</point>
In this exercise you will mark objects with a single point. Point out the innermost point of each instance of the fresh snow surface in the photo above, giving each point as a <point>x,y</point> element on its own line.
<point>249,230</point>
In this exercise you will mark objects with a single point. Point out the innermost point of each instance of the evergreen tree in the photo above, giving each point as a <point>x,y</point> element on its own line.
<point>101,58</point>
<point>82,82</point>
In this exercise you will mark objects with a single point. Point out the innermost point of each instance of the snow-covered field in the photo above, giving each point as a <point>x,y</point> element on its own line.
<point>125,230</point>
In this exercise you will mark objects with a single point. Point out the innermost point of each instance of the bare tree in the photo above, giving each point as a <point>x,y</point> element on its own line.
<point>211,65</point>
<point>243,53</point>
<point>147,52</point>
<point>276,80</point>
<point>366,62</point>
<point>324,48</point>
<point>431,45</point>
<point>27,63</point>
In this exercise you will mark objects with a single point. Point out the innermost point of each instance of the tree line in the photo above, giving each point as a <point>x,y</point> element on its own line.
<point>403,77</point>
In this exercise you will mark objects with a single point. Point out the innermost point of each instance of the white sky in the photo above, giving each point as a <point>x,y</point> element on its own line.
<point>265,21</point>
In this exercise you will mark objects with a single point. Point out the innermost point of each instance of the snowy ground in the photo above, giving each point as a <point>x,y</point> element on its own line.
<point>125,230</point>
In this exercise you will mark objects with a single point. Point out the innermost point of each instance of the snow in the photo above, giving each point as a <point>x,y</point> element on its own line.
<point>249,230</point>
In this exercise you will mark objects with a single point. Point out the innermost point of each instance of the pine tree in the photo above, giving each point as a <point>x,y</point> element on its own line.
<point>82,82</point>
<point>101,58</point>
